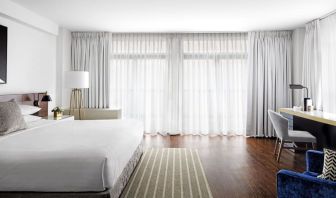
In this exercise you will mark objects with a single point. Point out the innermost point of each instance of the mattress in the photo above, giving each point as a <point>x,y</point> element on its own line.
<point>68,156</point>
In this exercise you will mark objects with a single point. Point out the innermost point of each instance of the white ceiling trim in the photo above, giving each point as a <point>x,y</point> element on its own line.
<point>17,12</point>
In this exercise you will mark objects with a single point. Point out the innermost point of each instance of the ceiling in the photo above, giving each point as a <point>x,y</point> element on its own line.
<point>179,15</point>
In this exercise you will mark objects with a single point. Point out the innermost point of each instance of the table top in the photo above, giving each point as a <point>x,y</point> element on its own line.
<point>318,116</point>
<point>57,118</point>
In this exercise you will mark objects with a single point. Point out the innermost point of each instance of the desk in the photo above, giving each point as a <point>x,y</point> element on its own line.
<point>321,124</point>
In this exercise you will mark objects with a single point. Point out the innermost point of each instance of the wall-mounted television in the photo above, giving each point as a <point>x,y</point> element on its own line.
<point>3,54</point>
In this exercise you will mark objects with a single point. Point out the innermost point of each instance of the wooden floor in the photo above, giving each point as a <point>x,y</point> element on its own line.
<point>235,166</point>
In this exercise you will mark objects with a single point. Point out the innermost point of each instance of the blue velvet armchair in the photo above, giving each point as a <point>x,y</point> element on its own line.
<point>293,184</point>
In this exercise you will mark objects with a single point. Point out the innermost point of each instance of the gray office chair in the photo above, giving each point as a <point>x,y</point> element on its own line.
<point>280,125</point>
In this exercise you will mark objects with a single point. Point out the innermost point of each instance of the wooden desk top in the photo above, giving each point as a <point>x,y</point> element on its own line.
<point>318,116</point>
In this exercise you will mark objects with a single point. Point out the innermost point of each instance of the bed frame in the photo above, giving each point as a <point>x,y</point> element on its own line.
<point>108,193</point>
<point>105,194</point>
<point>28,99</point>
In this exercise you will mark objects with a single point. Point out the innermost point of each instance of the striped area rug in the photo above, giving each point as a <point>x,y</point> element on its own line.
<point>169,172</point>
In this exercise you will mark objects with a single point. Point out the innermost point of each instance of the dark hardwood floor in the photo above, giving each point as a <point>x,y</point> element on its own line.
<point>235,166</point>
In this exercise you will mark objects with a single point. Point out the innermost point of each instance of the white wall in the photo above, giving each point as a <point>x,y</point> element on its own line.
<point>63,64</point>
<point>298,39</point>
<point>31,60</point>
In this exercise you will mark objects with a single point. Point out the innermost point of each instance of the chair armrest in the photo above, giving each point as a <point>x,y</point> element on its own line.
<point>293,184</point>
<point>314,161</point>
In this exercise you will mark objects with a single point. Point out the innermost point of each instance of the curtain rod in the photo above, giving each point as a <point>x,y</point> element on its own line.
<point>329,14</point>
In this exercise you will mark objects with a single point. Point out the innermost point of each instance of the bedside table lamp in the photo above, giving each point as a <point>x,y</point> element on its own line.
<point>76,80</point>
<point>43,103</point>
<point>45,98</point>
<point>306,99</point>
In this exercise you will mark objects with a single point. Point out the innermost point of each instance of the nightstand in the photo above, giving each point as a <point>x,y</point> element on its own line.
<point>63,117</point>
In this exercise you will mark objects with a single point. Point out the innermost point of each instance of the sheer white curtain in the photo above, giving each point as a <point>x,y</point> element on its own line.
<point>270,65</point>
<point>311,71</point>
<point>139,78</point>
<point>181,83</point>
<point>328,60</point>
<point>214,83</point>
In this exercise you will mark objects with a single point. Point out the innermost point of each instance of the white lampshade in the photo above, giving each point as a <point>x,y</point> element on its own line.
<point>76,79</point>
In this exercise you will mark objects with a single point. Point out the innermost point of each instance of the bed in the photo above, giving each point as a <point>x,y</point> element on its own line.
<point>72,158</point>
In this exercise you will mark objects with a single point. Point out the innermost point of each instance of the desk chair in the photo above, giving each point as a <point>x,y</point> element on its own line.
<point>284,135</point>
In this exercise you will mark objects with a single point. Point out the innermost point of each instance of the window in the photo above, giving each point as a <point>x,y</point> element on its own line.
<point>181,83</point>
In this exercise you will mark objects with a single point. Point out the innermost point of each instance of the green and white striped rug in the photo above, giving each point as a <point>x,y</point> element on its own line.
<point>168,172</point>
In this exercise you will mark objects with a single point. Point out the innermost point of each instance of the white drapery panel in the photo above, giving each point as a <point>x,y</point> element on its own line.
<point>214,83</point>
<point>270,65</point>
<point>328,62</point>
<point>311,71</point>
<point>139,78</point>
<point>181,83</point>
<point>89,52</point>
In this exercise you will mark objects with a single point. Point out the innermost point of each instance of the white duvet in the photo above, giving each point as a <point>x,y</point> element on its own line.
<point>68,156</point>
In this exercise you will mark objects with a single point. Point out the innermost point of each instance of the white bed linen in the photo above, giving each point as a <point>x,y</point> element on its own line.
<point>68,156</point>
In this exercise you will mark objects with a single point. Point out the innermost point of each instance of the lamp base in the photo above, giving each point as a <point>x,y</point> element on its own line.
<point>306,102</point>
<point>76,101</point>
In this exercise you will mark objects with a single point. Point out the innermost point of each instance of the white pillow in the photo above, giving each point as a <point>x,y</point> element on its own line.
<point>28,109</point>
<point>31,118</point>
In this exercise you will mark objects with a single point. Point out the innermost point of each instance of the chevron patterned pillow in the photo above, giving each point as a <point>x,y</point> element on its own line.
<point>329,166</point>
